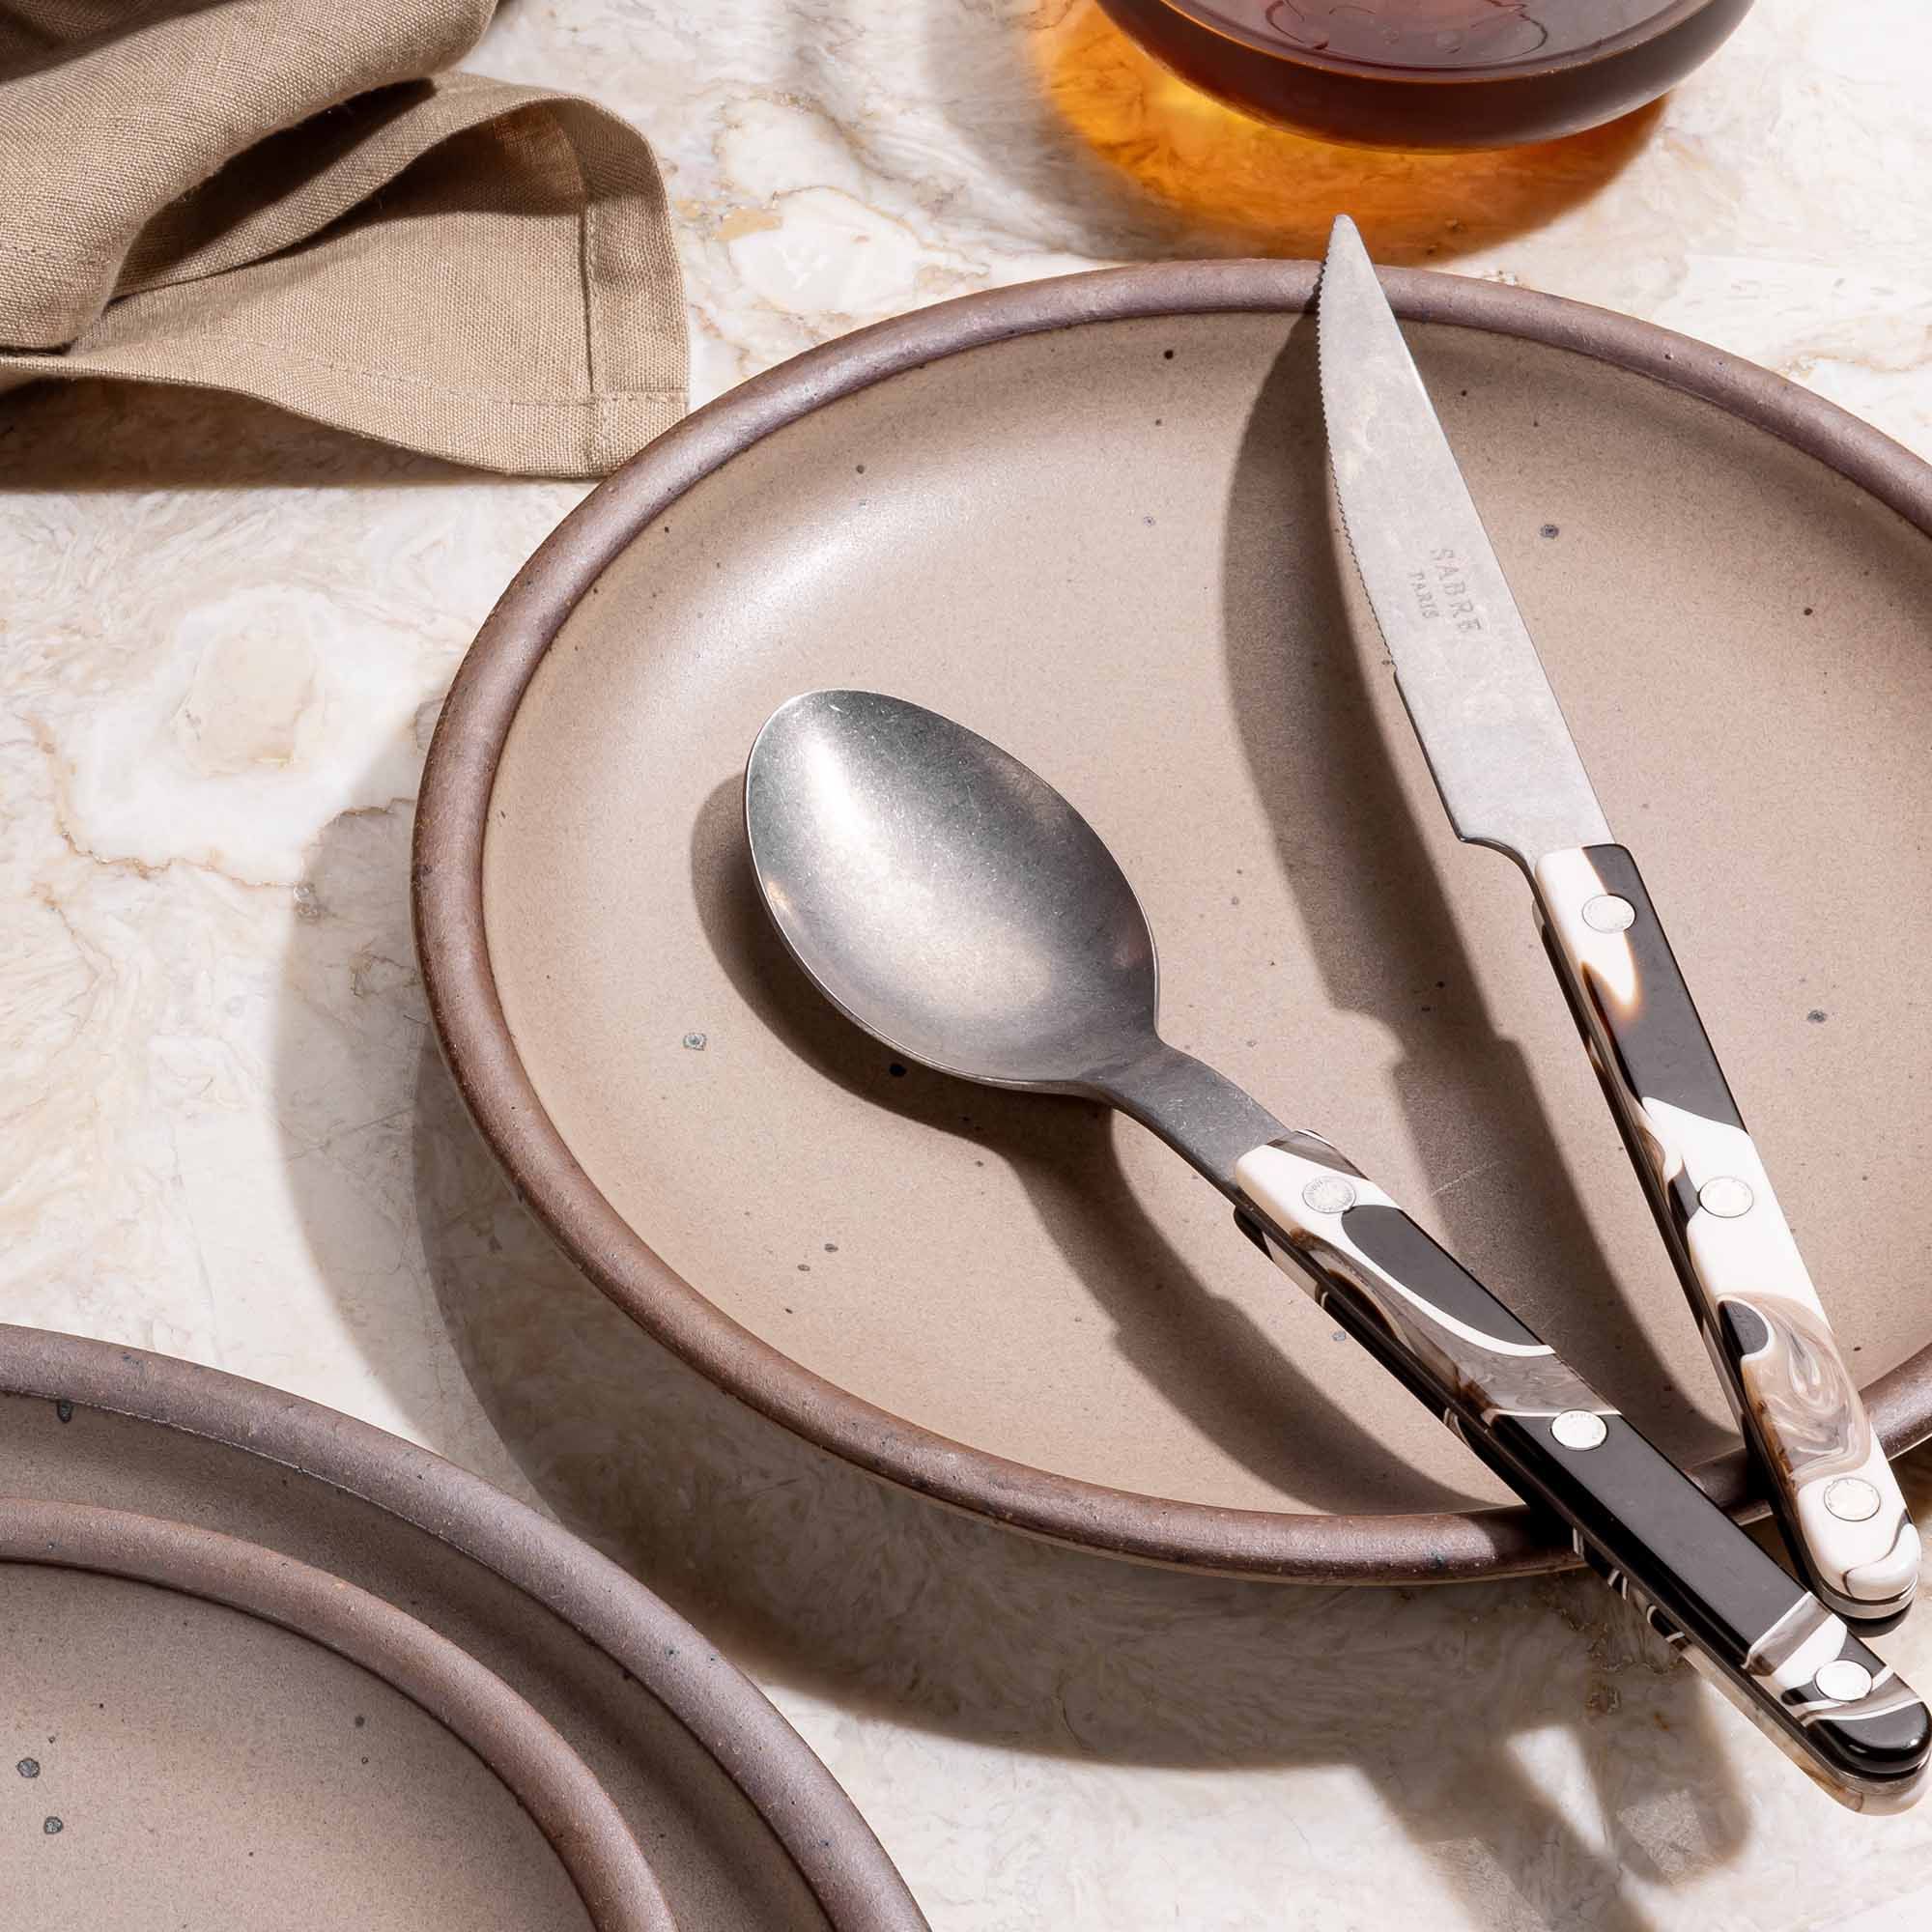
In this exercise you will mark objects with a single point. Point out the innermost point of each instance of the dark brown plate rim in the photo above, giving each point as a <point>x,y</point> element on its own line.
<point>453,949</point>
<point>806,1808</point>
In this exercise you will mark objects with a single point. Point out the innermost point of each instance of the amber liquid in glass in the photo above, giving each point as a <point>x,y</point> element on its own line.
<point>1433,73</point>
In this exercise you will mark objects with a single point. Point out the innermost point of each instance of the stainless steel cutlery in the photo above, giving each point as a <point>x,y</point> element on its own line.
<point>1511,777</point>
<point>951,903</point>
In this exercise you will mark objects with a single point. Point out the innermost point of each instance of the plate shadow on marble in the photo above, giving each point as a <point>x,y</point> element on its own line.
<point>820,1576</point>
<point>1097,149</point>
<point>814,1575</point>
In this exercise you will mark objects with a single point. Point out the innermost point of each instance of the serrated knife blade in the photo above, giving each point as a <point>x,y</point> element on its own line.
<point>1490,724</point>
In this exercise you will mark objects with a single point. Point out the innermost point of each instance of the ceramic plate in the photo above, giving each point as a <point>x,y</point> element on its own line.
<point>1090,520</point>
<point>262,1660</point>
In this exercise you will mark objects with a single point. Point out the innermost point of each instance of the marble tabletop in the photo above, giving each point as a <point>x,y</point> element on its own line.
<point>228,1136</point>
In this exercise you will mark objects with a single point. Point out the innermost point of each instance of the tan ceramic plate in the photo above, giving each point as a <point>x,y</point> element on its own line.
<point>264,1666</point>
<point>1089,519</point>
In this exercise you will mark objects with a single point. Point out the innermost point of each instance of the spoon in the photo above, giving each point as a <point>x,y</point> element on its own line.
<point>952,904</point>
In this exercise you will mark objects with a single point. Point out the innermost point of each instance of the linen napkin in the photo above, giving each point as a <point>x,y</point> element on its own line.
<point>294,200</point>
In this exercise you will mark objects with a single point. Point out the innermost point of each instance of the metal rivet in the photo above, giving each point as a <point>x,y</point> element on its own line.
<point>1579,1428</point>
<point>1607,913</point>
<point>1852,1499</point>
<point>1843,1681</point>
<point>1727,1197</point>
<point>1330,1194</point>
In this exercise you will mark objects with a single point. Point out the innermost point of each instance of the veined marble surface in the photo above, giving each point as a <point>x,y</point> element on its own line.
<point>227,1136</point>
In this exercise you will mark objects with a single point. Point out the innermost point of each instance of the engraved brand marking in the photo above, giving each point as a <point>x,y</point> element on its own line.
<point>1452,584</point>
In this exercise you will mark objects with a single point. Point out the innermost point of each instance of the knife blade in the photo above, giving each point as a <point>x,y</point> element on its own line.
<point>1511,777</point>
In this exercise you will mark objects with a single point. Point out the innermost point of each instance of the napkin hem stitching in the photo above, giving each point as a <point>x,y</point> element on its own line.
<point>590,402</point>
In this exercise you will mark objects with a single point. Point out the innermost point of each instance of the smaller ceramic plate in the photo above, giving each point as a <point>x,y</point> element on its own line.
<point>1090,520</point>
<point>257,1652</point>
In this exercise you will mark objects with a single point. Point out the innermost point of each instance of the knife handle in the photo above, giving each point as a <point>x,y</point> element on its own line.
<point>1788,1661</point>
<point>1796,1400</point>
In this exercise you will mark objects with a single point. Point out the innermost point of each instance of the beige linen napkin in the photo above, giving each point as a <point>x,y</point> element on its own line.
<point>288,198</point>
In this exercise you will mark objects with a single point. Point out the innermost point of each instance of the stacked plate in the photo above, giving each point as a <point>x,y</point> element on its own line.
<point>266,1664</point>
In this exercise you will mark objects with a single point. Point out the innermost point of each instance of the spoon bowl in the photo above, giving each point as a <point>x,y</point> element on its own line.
<point>945,897</point>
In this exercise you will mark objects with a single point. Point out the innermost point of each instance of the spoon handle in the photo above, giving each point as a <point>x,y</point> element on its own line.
<point>1787,1660</point>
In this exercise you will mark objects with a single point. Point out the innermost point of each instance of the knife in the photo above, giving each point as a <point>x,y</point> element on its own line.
<point>1511,777</point>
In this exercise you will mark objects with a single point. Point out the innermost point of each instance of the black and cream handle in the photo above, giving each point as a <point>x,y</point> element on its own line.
<point>1796,1400</point>
<point>1782,1656</point>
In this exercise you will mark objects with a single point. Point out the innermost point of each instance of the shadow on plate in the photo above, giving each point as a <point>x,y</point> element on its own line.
<point>1315,754</point>
<point>1203,1352</point>
<point>817,1577</point>
<point>821,1578</point>
<point>1115,157</point>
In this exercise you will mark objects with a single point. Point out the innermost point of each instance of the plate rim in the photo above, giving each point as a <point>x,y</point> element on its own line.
<point>791,1788</point>
<point>446,892</point>
<point>542,1770</point>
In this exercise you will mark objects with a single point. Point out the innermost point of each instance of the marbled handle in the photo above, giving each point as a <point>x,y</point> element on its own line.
<point>1793,1392</point>
<point>1785,1659</point>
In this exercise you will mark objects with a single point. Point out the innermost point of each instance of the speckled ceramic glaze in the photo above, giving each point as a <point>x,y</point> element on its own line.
<point>266,1666</point>
<point>1089,519</point>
